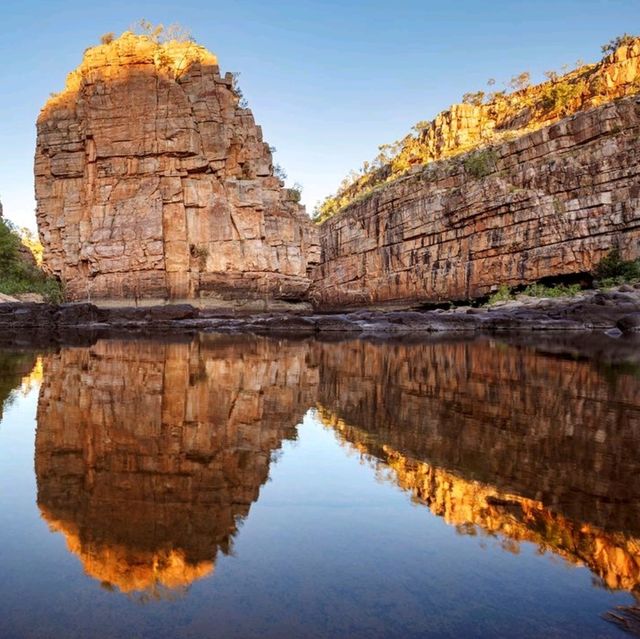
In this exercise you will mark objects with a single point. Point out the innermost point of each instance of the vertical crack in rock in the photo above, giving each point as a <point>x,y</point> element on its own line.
<point>153,185</point>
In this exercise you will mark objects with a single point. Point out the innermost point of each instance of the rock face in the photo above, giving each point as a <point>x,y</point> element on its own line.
<point>153,183</point>
<point>550,203</point>
<point>496,117</point>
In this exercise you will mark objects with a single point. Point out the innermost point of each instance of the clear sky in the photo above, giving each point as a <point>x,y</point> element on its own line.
<point>328,81</point>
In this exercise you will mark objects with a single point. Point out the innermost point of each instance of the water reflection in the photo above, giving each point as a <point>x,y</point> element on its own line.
<point>149,455</point>
<point>17,368</point>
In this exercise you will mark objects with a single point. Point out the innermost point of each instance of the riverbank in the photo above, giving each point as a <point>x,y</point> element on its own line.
<point>615,311</point>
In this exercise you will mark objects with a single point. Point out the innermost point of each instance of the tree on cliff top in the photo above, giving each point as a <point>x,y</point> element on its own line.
<point>615,43</point>
<point>159,33</point>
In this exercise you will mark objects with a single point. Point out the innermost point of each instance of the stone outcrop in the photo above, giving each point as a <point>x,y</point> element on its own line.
<point>151,463</point>
<point>549,204</point>
<point>153,183</point>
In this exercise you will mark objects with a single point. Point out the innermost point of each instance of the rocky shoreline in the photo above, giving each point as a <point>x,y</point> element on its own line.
<point>615,311</point>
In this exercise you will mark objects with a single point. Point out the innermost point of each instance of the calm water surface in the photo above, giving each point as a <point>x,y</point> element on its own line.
<point>254,487</point>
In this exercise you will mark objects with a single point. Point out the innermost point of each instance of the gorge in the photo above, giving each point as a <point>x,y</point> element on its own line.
<point>154,186</point>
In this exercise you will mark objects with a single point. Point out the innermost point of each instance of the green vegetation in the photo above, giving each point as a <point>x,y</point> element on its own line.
<point>295,193</point>
<point>279,172</point>
<point>17,275</point>
<point>243,103</point>
<point>503,294</point>
<point>621,41</point>
<point>559,290</point>
<point>159,33</point>
<point>506,294</point>
<point>481,163</point>
<point>612,270</point>
<point>559,95</point>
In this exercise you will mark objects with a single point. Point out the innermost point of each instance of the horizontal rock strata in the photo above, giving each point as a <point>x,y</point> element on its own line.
<point>153,182</point>
<point>551,203</point>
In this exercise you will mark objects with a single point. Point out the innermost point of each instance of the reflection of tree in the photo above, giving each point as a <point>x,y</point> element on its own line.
<point>14,366</point>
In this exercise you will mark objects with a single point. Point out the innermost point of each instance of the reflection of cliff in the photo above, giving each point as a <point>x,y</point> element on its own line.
<point>473,507</point>
<point>548,429</point>
<point>148,455</point>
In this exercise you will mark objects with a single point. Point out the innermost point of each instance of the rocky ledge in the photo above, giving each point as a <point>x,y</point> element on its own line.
<point>615,311</point>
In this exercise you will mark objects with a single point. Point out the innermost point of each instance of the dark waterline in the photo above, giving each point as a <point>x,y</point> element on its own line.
<point>254,487</point>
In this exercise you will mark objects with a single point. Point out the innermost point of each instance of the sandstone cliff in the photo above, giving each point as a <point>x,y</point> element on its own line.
<point>499,116</point>
<point>153,183</point>
<point>548,204</point>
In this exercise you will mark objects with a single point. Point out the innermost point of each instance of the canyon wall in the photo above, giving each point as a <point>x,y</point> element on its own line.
<point>153,184</point>
<point>551,203</point>
<point>149,465</point>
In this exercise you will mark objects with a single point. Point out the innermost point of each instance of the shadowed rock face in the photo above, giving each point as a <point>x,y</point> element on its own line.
<point>551,204</point>
<point>148,455</point>
<point>152,182</point>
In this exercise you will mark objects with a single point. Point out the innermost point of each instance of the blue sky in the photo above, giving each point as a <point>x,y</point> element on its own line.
<point>328,81</point>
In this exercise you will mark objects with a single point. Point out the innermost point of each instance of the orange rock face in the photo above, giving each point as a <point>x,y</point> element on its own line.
<point>153,183</point>
<point>550,203</point>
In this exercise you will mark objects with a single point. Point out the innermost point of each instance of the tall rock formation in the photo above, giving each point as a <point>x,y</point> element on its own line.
<point>154,183</point>
<point>549,204</point>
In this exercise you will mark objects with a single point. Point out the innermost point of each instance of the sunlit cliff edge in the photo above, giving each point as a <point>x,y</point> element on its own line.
<point>492,118</point>
<point>153,183</point>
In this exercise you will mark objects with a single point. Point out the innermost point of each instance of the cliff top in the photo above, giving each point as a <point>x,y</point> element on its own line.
<point>170,58</point>
<point>485,119</point>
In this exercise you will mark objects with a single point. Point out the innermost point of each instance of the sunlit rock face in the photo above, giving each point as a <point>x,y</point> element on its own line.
<point>549,204</point>
<point>148,455</point>
<point>153,183</point>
